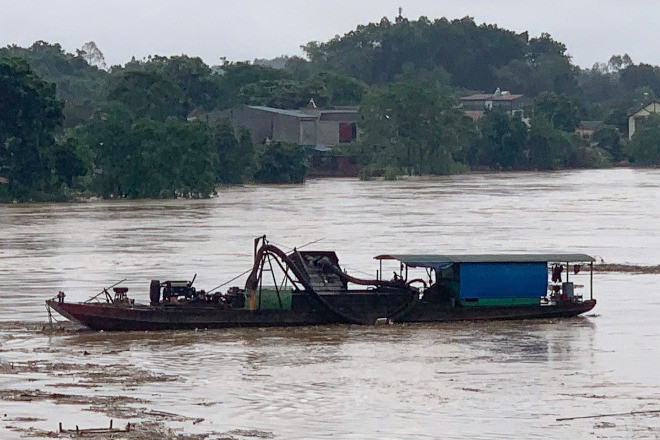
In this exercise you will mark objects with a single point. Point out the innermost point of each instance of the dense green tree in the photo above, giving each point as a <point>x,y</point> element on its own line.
<point>618,62</point>
<point>235,151</point>
<point>275,63</point>
<point>549,73</point>
<point>475,57</point>
<point>545,66</point>
<point>618,117</point>
<point>502,143</point>
<point>80,85</point>
<point>300,68</point>
<point>548,147</point>
<point>564,113</point>
<point>147,93</point>
<point>544,45</point>
<point>128,156</point>
<point>342,89</point>
<point>640,76</point>
<point>200,86</point>
<point>235,76</point>
<point>326,88</point>
<point>67,165</point>
<point>603,95</point>
<point>608,138</point>
<point>29,114</point>
<point>281,162</point>
<point>644,147</point>
<point>415,127</point>
<point>285,94</point>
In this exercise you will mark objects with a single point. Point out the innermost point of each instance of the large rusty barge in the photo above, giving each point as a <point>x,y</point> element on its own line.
<point>311,288</point>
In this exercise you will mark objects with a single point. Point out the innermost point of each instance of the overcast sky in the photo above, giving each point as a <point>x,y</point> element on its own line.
<point>593,30</point>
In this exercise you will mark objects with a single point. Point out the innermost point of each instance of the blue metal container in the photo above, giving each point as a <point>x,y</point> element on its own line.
<point>503,280</point>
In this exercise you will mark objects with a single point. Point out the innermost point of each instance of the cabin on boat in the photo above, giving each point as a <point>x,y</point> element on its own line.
<point>499,280</point>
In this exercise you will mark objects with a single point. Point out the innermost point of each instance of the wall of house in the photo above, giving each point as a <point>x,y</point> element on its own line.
<point>308,133</point>
<point>328,126</point>
<point>328,133</point>
<point>260,126</point>
<point>312,128</point>
<point>584,133</point>
<point>285,128</point>
<point>340,116</point>
<point>631,127</point>
<point>267,125</point>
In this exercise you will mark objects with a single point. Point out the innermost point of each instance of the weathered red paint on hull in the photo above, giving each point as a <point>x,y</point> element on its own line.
<point>100,316</point>
<point>440,313</point>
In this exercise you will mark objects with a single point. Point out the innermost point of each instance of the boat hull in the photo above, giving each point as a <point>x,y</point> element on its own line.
<point>124,317</point>
<point>444,313</point>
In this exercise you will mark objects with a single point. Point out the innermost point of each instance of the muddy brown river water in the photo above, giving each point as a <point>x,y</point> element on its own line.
<point>490,380</point>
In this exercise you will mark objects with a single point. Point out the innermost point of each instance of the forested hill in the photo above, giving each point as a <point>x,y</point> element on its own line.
<point>478,57</point>
<point>472,57</point>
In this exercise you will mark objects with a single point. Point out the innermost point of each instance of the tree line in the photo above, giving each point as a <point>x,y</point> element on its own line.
<point>415,70</point>
<point>69,128</point>
<point>71,125</point>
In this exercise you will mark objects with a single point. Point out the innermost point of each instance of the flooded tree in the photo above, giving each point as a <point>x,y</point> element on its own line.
<point>128,156</point>
<point>644,147</point>
<point>415,127</point>
<point>281,162</point>
<point>29,115</point>
<point>502,144</point>
<point>235,152</point>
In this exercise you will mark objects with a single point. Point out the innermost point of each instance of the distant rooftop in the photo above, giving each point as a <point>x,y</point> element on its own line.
<point>302,114</point>
<point>642,107</point>
<point>589,125</point>
<point>504,96</point>
<point>294,113</point>
<point>475,115</point>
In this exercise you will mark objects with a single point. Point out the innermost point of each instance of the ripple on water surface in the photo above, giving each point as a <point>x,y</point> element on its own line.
<point>460,380</point>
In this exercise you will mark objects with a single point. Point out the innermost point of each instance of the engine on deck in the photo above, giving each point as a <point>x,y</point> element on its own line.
<point>174,292</point>
<point>171,291</point>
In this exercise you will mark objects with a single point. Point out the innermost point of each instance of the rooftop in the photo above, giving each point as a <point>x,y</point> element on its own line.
<point>589,125</point>
<point>302,114</point>
<point>491,97</point>
<point>433,260</point>
<point>642,107</point>
<point>294,113</point>
<point>475,115</point>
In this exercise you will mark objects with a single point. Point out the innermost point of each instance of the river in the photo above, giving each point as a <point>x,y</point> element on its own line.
<point>464,380</point>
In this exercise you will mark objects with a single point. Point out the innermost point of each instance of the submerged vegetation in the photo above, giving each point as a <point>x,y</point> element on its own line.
<point>71,125</point>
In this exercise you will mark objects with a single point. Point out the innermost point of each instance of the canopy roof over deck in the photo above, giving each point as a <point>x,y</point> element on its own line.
<point>444,260</point>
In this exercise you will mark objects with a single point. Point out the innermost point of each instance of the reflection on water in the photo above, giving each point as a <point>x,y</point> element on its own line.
<point>402,381</point>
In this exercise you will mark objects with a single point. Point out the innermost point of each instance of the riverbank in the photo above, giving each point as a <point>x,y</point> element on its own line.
<point>83,197</point>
